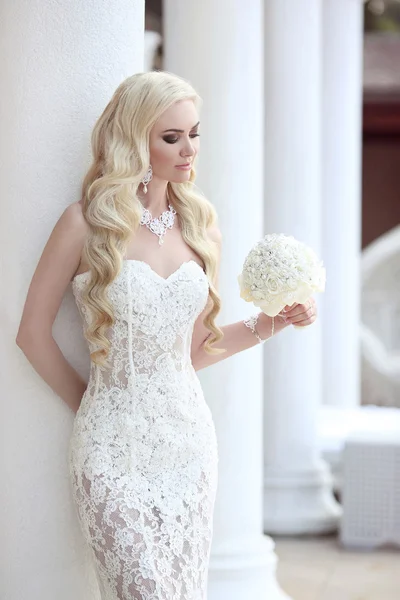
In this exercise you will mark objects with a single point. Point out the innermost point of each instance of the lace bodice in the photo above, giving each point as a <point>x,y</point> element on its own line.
<point>154,319</point>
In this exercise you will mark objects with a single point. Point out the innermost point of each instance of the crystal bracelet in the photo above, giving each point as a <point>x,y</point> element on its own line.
<point>251,322</point>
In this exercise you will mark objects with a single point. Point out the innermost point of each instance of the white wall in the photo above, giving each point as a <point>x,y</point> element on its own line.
<point>60,62</point>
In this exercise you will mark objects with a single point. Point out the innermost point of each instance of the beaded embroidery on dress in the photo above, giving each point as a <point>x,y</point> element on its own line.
<point>143,452</point>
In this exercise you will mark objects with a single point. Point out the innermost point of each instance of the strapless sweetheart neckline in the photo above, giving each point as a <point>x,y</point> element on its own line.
<point>150,268</point>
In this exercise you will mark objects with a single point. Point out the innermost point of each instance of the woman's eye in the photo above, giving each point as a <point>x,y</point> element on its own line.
<point>173,140</point>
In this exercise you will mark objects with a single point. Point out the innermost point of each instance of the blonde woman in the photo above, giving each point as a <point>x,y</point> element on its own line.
<point>142,250</point>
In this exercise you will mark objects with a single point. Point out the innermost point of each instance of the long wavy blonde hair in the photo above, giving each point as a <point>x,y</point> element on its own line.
<point>112,209</point>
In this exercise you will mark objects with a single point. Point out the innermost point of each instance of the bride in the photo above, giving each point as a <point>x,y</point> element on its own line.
<point>142,250</point>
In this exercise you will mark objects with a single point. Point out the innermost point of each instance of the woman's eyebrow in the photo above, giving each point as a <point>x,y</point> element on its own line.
<point>181,130</point>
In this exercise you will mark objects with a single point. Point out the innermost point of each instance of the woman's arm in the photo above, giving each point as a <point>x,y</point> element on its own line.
<point>56,267</point>
<point>237,337</point>
<point>49,362</point>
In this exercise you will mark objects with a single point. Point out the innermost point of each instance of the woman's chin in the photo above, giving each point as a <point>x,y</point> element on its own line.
<point>181,177</point>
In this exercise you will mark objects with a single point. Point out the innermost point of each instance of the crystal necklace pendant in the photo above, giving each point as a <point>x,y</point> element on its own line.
<point>159,225</point>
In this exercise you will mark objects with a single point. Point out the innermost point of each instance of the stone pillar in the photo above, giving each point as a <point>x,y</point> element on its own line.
<point>341,193</point>
<point>298,496</point>
<point>218,47</point>
<point>60,62</point>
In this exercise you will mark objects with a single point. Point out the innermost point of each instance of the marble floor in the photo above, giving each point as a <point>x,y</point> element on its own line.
<point>313,568</point>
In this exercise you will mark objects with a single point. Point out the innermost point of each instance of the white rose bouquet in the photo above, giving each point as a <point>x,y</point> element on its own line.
<point>280,271</point>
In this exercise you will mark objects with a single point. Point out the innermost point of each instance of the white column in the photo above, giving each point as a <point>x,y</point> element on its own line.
<point>60,62</point>
<point>341,193</point>
<point>298,497</point>
<point>218,47</point>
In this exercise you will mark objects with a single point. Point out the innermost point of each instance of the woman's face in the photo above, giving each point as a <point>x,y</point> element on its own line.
<point>174,142</point>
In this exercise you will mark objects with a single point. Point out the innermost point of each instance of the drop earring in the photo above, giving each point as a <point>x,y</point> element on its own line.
<point>147,178</point>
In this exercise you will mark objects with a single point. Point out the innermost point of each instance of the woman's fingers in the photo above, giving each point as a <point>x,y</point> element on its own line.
<point>299,309</point>
<point>302,314</point>
<point>306,322</point>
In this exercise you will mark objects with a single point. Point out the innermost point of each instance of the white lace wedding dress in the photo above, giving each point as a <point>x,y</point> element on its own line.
<point>143,452</point>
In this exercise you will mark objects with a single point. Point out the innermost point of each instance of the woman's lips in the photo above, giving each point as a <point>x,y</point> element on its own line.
<point>186,167</point>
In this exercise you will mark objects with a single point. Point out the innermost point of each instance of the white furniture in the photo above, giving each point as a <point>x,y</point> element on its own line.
<point>362,447</point>
<point>371,489</point>
<point>337,425</point>
<point>380,321</point>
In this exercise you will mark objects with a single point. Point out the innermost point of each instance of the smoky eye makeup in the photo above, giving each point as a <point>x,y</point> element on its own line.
<point>172,139</point>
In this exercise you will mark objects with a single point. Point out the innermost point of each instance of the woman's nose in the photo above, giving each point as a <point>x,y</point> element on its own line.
<point>188,150</point>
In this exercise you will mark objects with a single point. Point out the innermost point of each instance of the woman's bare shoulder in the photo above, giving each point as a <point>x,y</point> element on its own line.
<point>69,234</point>
<point>60,260</point>
<point>214,233</point>
<point>74,222</point>
<point>73,215</point>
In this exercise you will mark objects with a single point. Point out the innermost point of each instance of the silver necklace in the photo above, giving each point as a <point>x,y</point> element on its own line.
<point>160,224</point>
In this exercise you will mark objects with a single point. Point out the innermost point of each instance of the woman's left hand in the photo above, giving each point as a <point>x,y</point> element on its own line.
<point>300,315</point>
